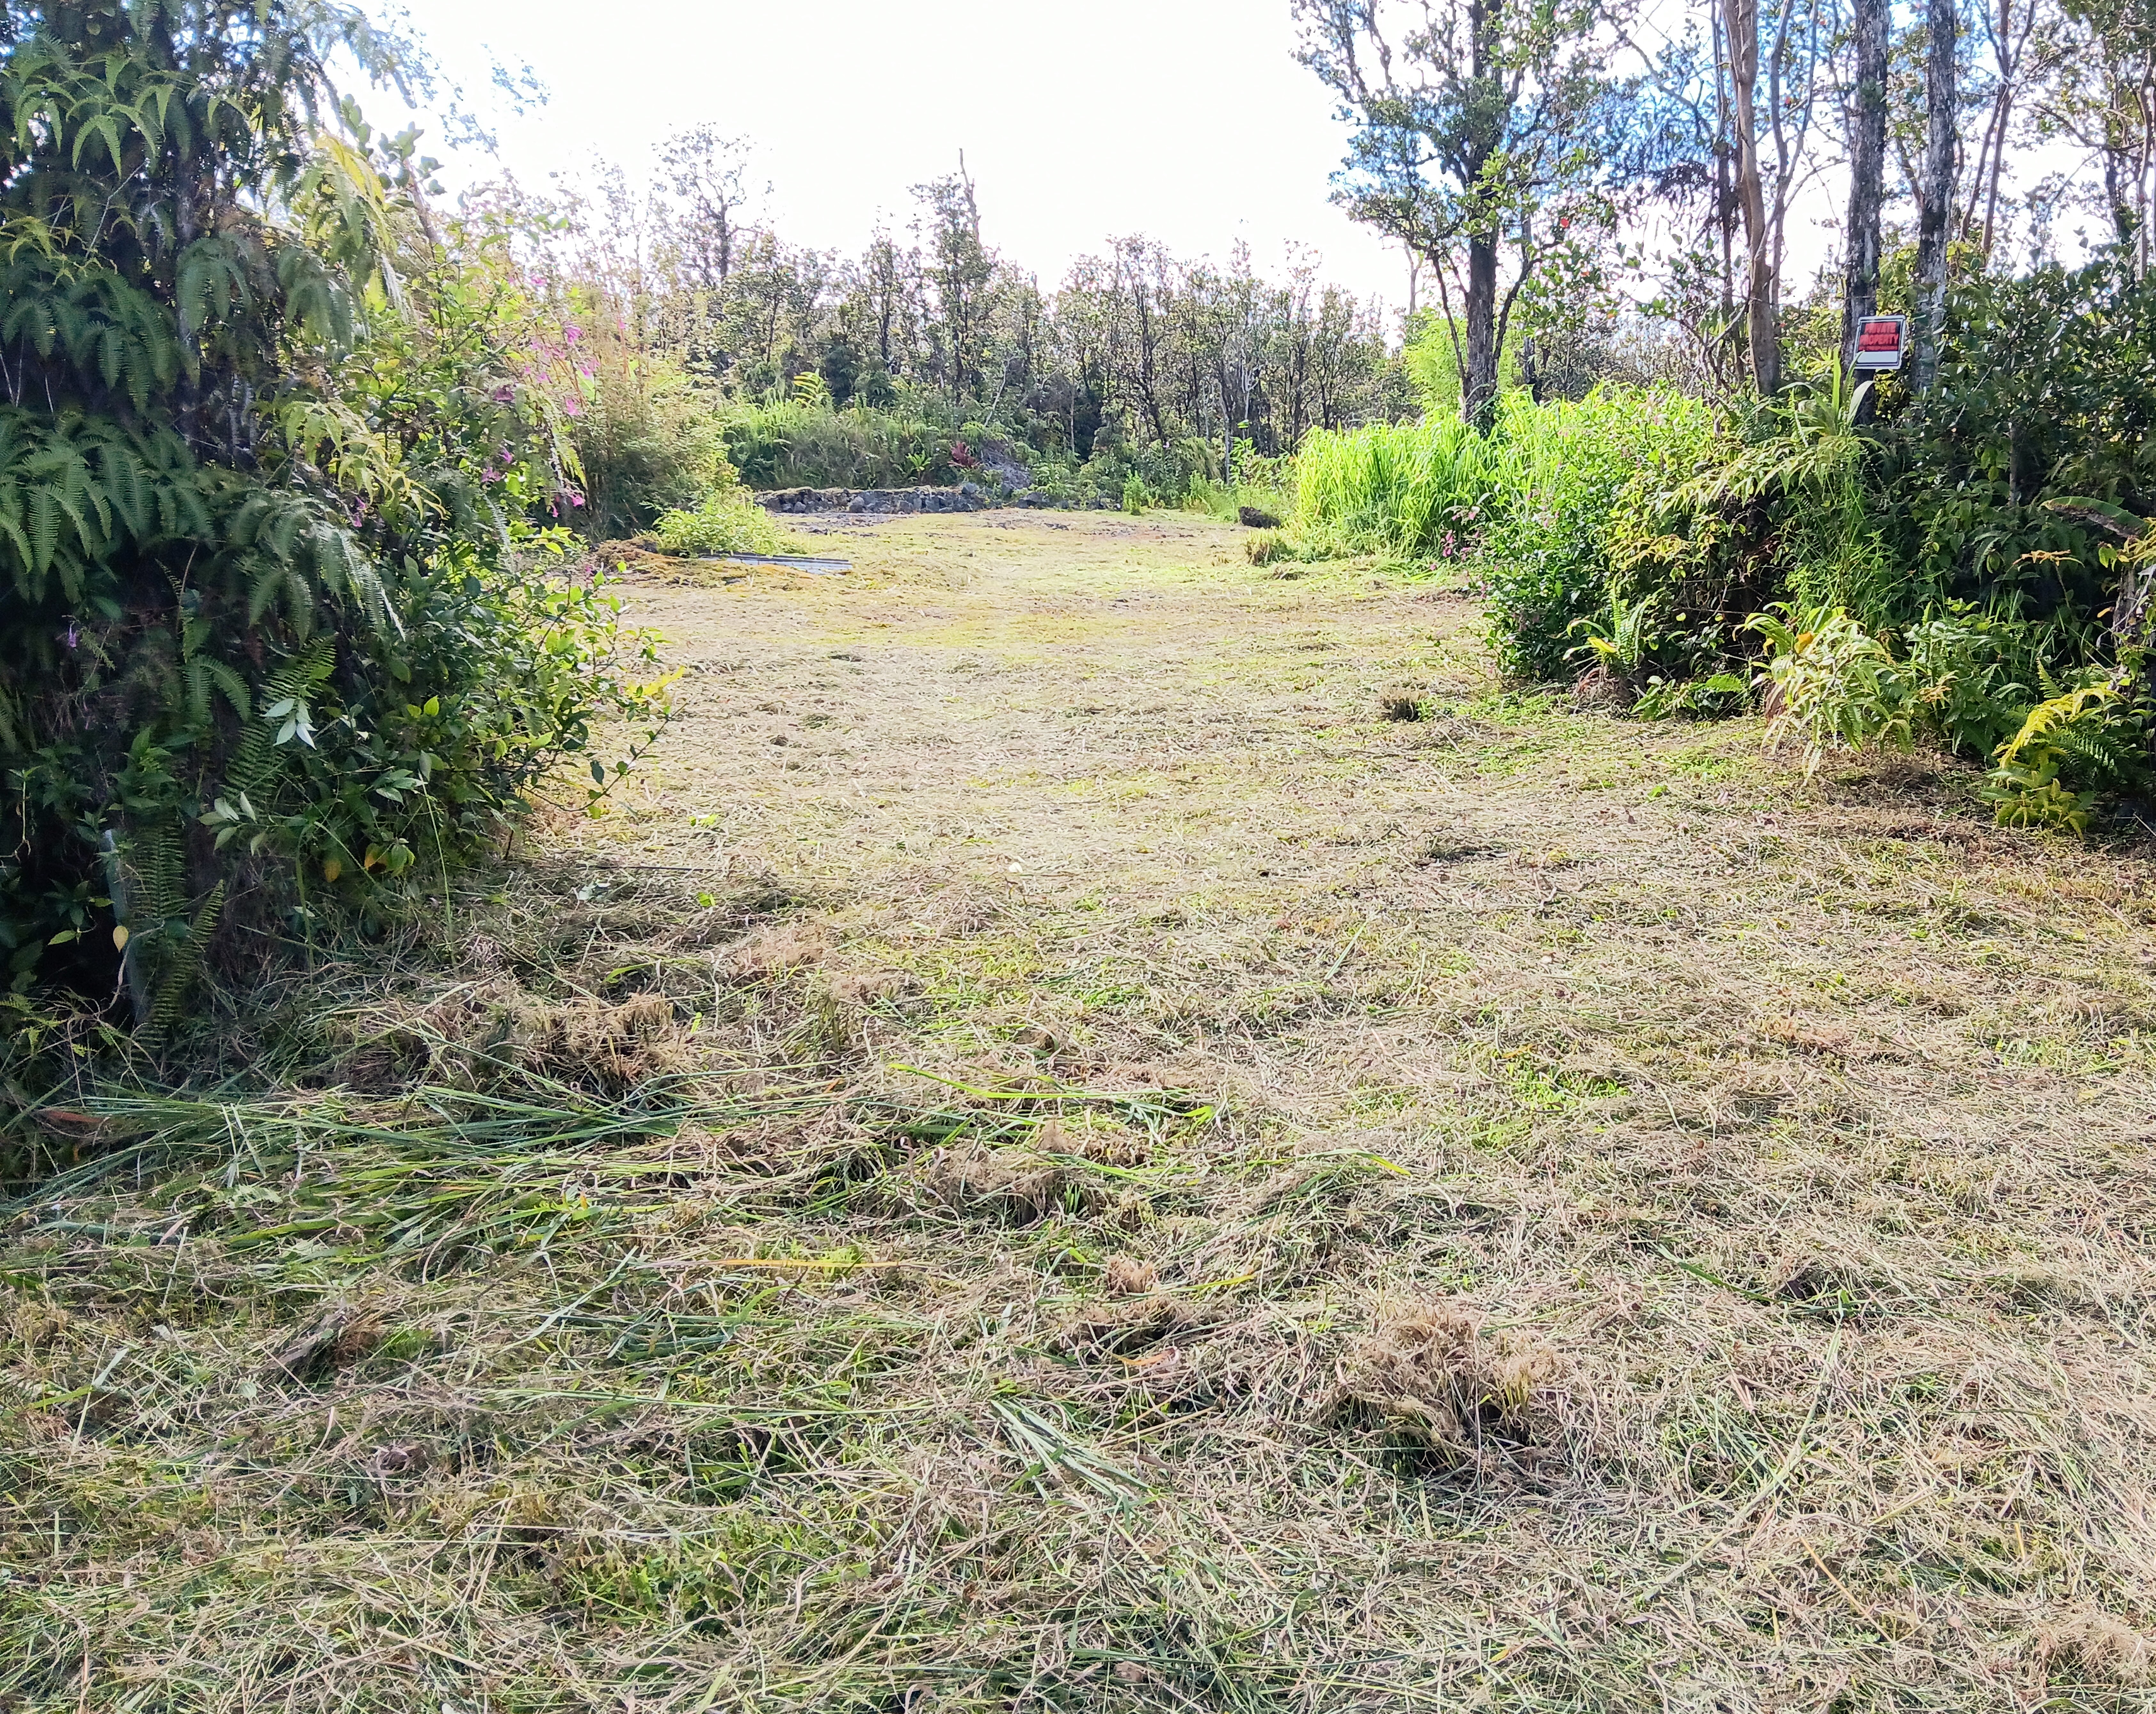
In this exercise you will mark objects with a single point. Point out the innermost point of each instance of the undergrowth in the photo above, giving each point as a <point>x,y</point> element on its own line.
<point>727,521</point>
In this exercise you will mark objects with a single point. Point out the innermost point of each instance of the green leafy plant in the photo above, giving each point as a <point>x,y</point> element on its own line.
<point>2050,774</point>
<point>1801,472</point>
<point>1622,639</point>
<point>2037,451</point>
<point>728,521</point>
<point>797,442</point>
<point>1566,479</point>
<point>1709,698</point>
<point>1832,685</point>
<point>1966,667</point>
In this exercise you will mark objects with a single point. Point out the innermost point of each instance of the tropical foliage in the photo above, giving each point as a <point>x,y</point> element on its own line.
<point>1969,571</point>
<point>283,621</point>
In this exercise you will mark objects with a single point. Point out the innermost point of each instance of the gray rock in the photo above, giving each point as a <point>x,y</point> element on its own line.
<point>966,497</point>
<point>1000,463</point>
<point>804,500</point>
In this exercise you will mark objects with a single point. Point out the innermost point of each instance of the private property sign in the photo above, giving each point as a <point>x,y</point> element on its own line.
<point>1880,340</point>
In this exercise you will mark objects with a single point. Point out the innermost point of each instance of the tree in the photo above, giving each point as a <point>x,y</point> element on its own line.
<point>1867,174</point>
<point>962,274</point>
<point>1935,189</point>
<point>708,175</point>
<point>2106,102</point>
<point>1480,127</point>
<point>1797,33</point>
<point>1147,286</point>
<point>2023,36</point>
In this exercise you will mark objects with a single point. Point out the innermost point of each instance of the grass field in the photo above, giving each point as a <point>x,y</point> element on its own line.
<point>1048,1155</point>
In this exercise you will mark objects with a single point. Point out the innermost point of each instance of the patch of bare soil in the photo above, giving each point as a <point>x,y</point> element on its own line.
<point>1106,1131</point>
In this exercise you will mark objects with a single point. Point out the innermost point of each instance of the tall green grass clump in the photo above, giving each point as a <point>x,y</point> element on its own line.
<point>792,443</point>
<point>1574,488</point>
<point>1398,489</point>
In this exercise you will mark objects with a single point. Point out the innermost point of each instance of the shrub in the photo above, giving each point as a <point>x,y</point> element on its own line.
<point>1567,485</point>
<point>2067,749</point>
<point>793,444</point>
<point>276,629</point>
<point>647,438</point>
<point>1788,510</point>
<point>728,521</point>
<point>2046,396</point>
<point>1971,672</point>
<point>1261,484</point>
<point>1837,686</point>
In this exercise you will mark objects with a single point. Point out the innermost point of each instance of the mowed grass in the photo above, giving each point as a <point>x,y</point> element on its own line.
<point>1101,1173</point>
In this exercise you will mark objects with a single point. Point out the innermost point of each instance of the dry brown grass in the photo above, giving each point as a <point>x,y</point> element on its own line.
<point>1103,1174</point>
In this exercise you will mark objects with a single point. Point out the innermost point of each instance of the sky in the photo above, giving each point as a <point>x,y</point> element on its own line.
<point>1189,120</point>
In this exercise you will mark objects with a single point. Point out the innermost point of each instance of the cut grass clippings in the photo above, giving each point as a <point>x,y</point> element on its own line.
<point>1105,1173</point>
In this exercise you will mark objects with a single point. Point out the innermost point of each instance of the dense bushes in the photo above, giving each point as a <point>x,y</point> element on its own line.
<point>796,443</point>
<point>1966,574</point>
<point>648,438</point>
<point>278,631</point>
<point>2046,398</point>
<point>1558,502</point>
<point>1572,516</point>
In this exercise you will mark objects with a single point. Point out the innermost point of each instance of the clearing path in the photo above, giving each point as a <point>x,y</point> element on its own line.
<point>1500,1208</point>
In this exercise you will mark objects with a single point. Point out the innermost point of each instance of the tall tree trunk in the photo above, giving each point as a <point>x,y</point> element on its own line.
<point>1725,194</point>
<point>1480,402</point>
<point>1935,189</point>
<point>1867,178</point>
<point>1742,19</point>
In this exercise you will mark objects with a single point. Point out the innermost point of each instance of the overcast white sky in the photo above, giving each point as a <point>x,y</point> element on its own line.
<point>1187,120</point>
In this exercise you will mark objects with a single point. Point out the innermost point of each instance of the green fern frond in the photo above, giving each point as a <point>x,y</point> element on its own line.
<point>182,961</point>
<point>232,687</point>
<point>195,673</point>
<point>255,761</point>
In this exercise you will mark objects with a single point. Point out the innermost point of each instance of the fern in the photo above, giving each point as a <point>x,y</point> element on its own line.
<point>2070,737</point>
<point>182,962</point>
<point>290,685</point>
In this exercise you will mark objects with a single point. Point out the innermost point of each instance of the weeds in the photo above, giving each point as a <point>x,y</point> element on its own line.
<point>728,521</point>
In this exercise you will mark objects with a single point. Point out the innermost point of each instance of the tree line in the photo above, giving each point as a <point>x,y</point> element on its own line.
<point>1136,344</point>
<point>1545,158</point>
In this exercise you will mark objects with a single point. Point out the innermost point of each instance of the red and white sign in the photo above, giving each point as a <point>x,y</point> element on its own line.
<point>1880,340</point>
